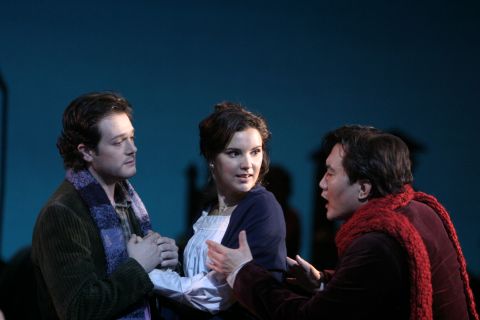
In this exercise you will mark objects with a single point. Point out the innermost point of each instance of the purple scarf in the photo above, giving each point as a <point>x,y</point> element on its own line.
<point>108,222</point>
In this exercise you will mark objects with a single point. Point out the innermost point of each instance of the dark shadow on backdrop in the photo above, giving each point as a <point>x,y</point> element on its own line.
<point>279,182</point>
<point>324,251</point>
<point>3,151</point>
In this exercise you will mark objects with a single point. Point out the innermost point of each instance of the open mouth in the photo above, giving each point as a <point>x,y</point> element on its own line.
<point>325,197</point>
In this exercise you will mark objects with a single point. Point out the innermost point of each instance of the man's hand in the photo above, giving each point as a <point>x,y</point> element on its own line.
<point>145,251</point>
<point>305,275</point>
<point>225,260</point>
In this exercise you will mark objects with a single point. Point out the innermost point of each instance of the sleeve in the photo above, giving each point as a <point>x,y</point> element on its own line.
<point>265,227</point>
<point>205,291</point>
<point>63,248</point>
<point>370,274</point>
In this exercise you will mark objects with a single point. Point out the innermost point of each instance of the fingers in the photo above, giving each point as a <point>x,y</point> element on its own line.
<point>165,240</point>
<point>152,236</point>
<point>225,260</point>
<point>168,264</point>
<point>291,263</point>
<point>300,260</point>
<point>169,255</point>
<point>151,233</point>
<point>242,240</point>
<point>216,267</point>
<point>314,273</point>
<point>212,267</point>
<point>214,256</point>
<point>303,263</point>
<point>215,246</point>
<point>167,251</point>
<point>133,239</point>
<point>243,249</point>
<point>216,260</point>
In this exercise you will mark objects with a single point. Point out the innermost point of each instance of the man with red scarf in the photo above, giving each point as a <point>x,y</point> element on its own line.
<point>399,253</point>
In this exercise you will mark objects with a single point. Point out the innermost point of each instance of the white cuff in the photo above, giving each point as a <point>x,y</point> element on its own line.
<point>231,277</point>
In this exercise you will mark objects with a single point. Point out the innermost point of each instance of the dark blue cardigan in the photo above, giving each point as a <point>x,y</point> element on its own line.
<point>261,216</point>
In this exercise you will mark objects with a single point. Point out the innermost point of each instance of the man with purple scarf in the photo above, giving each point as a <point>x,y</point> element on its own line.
<point>92,245</point>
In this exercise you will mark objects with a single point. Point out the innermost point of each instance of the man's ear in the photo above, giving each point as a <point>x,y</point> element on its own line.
<point>86,152</point>
<point>365,189</point>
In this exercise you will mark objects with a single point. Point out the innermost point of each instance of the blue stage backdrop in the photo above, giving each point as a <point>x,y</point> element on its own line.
<point>307,66</point>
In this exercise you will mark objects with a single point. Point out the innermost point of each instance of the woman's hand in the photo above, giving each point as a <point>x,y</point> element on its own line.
<point>225,260</point>
<point>169,252</point>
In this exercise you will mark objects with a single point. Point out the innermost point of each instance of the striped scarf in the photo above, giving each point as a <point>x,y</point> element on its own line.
<point>379,215</point>
<point>108,223</point>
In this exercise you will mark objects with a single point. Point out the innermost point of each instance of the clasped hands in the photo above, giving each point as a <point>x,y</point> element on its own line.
<point>225,260</point>
<point>153,250</point>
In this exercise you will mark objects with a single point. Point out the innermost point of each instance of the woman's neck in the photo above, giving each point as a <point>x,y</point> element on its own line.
<point>226,204</point>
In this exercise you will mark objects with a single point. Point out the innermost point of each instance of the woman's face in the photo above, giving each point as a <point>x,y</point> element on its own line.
<point>237,167</point>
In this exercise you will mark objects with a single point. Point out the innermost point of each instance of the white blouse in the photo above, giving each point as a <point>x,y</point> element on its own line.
<point>200,288</point>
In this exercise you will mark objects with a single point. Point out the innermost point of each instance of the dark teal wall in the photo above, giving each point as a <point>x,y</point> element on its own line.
<point>307,66</point>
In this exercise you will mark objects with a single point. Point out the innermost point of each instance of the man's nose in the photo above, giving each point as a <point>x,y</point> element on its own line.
<point>323,183</point>
<point>131,147</point>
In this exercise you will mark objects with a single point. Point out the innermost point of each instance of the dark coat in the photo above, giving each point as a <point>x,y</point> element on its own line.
<point>371,280</point>
<point>70,265</point>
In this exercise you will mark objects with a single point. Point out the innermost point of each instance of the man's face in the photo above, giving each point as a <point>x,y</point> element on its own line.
<point>114,159</point>
<point>342,196</point>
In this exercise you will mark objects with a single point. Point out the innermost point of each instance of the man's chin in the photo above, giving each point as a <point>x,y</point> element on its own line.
<point>332,216</point>
<point>129,173</point>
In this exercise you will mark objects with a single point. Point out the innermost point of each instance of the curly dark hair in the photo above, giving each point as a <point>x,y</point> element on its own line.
<point>218,128</point>
<point>370,154</point>
<point>80,124</point>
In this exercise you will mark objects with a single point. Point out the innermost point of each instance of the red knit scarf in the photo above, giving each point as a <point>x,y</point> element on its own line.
<point>379,215</point>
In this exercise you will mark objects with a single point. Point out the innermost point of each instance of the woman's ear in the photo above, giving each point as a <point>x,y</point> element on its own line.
<point>365,189</point>
<point>86,152</point>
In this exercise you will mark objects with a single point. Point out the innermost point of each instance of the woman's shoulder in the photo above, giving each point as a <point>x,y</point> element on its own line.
<point>260,192</point>
<point>260,201</point>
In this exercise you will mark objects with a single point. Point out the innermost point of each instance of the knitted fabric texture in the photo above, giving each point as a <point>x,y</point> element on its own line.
<point>108,222</point>
<point>379,215</point>
<point>452,234</point>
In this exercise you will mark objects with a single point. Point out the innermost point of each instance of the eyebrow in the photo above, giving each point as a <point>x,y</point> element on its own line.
<point>236,149</point>
<point>122,135</point>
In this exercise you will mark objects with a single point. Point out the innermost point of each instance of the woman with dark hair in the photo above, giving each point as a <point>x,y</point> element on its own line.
<point>233,142</point>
